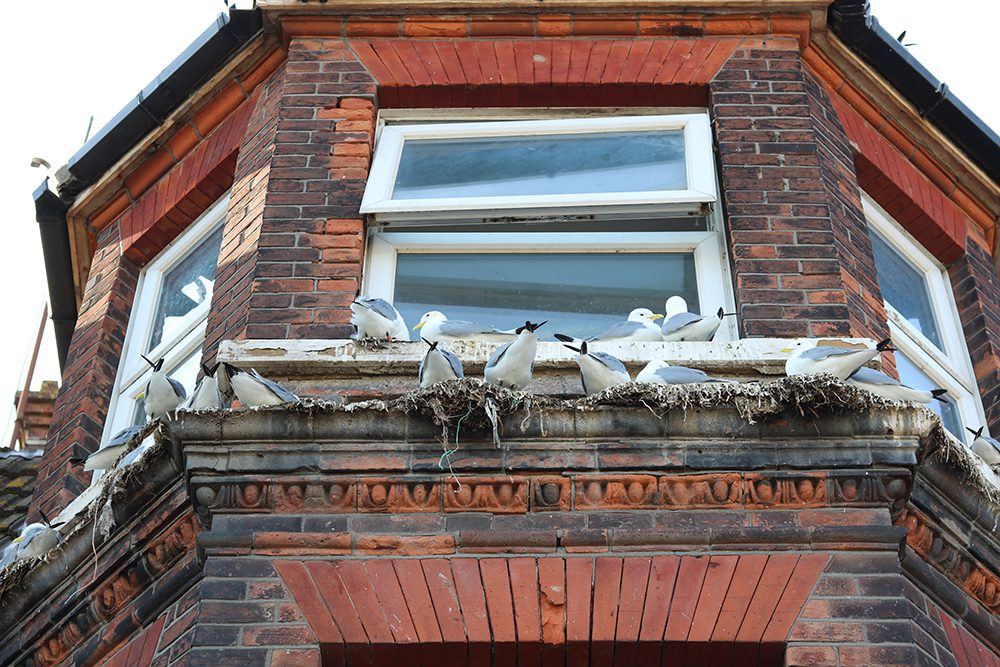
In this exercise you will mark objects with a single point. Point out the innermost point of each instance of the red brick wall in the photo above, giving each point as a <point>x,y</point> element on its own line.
<point>791,225</point>
<point>977,295</point>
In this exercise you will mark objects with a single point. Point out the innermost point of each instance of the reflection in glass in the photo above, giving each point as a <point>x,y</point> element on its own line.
<point>580,294</point>
<point>912,376</point>
<point>554,164</point>
<point>185,287</point>
<point>904,288</point>
<point>186,372</point>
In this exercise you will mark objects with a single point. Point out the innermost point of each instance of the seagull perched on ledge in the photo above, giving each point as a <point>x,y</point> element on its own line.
<point>986,447</point>
<point>598,370</point>
<point>377,318</point>
<point>162,394</point>
<point>889,387</point>
<point>105,457</point>
<point>680,325</point>
<point>511,365</point>
<point>206,394</point>
<point>438,365</point>
<point>808,358</point>
<point>658,371</point>
<point>640,326</point>
<point>437,327</point>
<point>255,390</point>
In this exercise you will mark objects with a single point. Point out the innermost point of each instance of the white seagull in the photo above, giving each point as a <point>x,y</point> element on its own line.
<point>35,539</point>
<point>436,327</point>
<point>106,456</point>
<point>438,365</point>
<point>511,365</point>
<point>680,325</point>
<point>162,394</point>
<point>254,390</point>
<point>640,326</point>
<point>206,394</point>
<point>377,318</point>
<point>658,371</point>
<point>889,387</point>
<point>598,370</point>
<point>808,358</point>
<point>986,447</point>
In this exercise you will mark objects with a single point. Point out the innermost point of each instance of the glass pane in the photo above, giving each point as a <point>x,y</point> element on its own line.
<point>580,294</point>
<point>185,287</point>
<point>554,164</point>
<point>904,288</point>
<point>186,372</point>
<point>912,376</point>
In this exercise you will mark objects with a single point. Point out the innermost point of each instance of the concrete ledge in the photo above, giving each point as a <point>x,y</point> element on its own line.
<point>328,358</point>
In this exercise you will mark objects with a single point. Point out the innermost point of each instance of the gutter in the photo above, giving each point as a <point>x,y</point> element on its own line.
<point>852,22</point>
<point>144,114</point>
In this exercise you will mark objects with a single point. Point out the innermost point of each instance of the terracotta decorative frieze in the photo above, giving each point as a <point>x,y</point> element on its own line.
<point>385,495</point>
<point>550,493</point>
<point>499,495</point>
<point>554,493</point>
<point>785,491</point>
<point>115,592</point>
<point>700,491</point>
<point>616,492</point>
<point>326,496</point>
<point>925,537</point>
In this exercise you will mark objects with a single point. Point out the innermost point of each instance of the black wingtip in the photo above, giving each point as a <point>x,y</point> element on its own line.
<point>146,359</point>
<point>76,461</point>
<point>975,433</point>
<point>938,395</point>
<point>431,345</point>
<point>578,350</point>
<point>721,313</point>
<point>230,369</point>
<point>583,347</point>
<point>563,337</point>
<point>885,345</point>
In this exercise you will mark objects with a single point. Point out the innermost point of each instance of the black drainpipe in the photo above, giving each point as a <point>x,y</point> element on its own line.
<point>50,212</point>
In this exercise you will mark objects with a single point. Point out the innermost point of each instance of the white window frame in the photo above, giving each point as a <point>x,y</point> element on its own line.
<point>950,367</point>
<point>133,372</point>
<point>698,159</point>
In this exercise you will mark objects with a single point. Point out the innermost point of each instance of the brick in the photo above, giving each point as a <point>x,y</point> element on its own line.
<point>811,656</point>
<point>409,545</point>
<point>295,658</point>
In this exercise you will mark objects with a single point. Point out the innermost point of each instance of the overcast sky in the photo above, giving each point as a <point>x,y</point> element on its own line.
<point>70,60</point>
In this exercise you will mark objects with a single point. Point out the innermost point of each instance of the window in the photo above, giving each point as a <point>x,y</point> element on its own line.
<point>924,322</point>
<point>168,316</point>
<point>573,220</point>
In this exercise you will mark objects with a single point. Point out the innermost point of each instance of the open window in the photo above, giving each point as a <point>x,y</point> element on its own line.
<point>572,220</point>
<point>923,321</point>
<point>169,316</point>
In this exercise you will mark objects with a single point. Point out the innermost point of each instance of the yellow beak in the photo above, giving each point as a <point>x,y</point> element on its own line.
<point>655,316</point>
<point>786,350</point>
<point>17,539</point>
<point>141,395</point>
<point>419,325</point>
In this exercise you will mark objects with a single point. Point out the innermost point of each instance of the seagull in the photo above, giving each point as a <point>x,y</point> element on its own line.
<point>377,318</point>
<point>986,447</point>
<point>839,362</point>
<point>598,370</point>
<point>36,539</point>
<point>680,325</point>
<point>885,386</point>
<point>255,390</point>
<point>162,394</point>
<point>510,366</point>
<point>105,457</point>
<point>206,394</point>
<point>438,365</point>
<point>436,327</point>
<point>658,371</point>
<point>640,325</point>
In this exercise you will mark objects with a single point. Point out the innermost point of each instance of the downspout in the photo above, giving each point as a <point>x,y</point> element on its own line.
<point>50,213</point>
